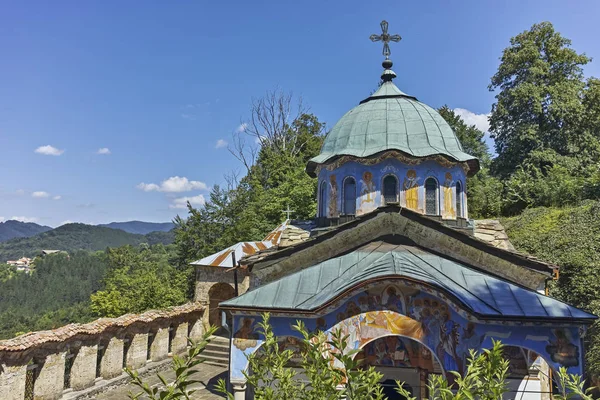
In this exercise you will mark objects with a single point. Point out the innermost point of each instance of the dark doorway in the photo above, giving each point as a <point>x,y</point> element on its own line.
<point>218,293</point>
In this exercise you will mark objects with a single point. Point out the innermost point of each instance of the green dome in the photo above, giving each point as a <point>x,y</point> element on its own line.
<point>392,120</point>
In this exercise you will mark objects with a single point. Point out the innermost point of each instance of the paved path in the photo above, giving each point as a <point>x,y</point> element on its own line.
<point>208,375</point>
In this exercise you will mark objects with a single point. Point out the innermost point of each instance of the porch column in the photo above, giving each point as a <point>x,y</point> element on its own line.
<point>239,390</point>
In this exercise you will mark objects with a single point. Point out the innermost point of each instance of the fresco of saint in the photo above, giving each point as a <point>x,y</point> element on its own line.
<point>449,211</point>
<point>333,196</point>
<point>245,337</point>
<point>411,190</point>
<point>562,350</point>
<point>367,193</point>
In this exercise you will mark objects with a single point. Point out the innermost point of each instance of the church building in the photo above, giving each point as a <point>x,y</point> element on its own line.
<point>392,260</point>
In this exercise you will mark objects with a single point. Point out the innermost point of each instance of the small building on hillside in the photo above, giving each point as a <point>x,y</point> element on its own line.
<point>393,260</point>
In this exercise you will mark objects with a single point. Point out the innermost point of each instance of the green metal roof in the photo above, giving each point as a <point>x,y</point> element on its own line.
<point>311,288</point>
<point>391,120</point>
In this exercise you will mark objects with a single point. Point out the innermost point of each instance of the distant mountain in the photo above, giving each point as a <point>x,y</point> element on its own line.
<point>71,237</point>
<point>16,229</point>
<point>140,227</point>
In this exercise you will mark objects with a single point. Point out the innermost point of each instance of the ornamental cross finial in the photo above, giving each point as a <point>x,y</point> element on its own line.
<point>385,37</point>
<point>288,212</point>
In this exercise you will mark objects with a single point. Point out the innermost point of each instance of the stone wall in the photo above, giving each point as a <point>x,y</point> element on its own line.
<point>77,349</point>
<point>208,277</point>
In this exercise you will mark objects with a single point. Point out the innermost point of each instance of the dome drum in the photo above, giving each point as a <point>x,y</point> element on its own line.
<point>353,188</point>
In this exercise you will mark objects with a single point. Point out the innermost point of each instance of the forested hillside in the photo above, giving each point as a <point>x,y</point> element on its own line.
<point>140,227</point>
<point>72,237</point>
<point>82,286</point>
<point>15,229</point>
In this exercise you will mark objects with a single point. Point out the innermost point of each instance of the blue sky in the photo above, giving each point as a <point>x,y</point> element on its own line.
<point>157,84</point>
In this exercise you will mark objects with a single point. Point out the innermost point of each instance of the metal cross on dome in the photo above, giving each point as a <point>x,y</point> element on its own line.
<point>385,37</point>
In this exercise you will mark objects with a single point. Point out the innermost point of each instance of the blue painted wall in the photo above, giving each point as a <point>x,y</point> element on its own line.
<point>369,186</point>
<point>411,310</point>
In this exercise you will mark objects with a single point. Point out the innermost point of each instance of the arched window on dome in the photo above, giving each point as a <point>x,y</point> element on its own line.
<point>349,206</point>
<point>323,200</point>
<point>431,196</point>
<point>390,189</point>
<point>459,205</point>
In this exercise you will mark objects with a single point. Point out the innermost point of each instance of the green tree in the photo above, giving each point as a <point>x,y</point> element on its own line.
<point>470,137</point>
<point>275,178</point>
<point>139,279</point>
<point>542,99</point>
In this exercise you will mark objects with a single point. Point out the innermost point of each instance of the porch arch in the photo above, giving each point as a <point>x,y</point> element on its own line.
<point>435,358</point>
<point>217,293</point>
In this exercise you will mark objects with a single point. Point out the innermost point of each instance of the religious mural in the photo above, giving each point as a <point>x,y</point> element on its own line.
<point>520,360</point>
<point>245,337</point>
<point>408,324</point>
<point>333,196</point>
<point>395,351</point>
<point>449,204</point>
<point>562,349</point>
<point>369,197</point>
<point>367,193</point>
<point>411,190</point>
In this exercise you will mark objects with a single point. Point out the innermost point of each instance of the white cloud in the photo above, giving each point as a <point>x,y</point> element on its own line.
<point>19,192</point>
<point>103,150</point>
<point>148,187</point>
<point>49,150</point>
<point>221,143</point>
<point>479,120</point>
<point>58,197</point>
<point>1,219</point>
<point>181,202</point>
<point>241,128</point>
<point>25,219</point>
<point>40,194</point>
<point>174,184</point>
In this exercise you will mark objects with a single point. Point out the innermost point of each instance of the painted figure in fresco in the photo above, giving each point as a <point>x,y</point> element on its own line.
<point>411,189</point>
<point>449,211</point>
<point>382,323</point>
<point>352,309</point>
<point>448,343</point>
<point>246,331</point>
<point>333,196</point>
<point>397,349</point>
<point>374,302</point>
<point>393,301</point>
<point>245,337</point>
<point>363,303</point>
<point>321,324</point>
<point>562,350</point>
<point>468,340</point>
<point>367,192</point>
